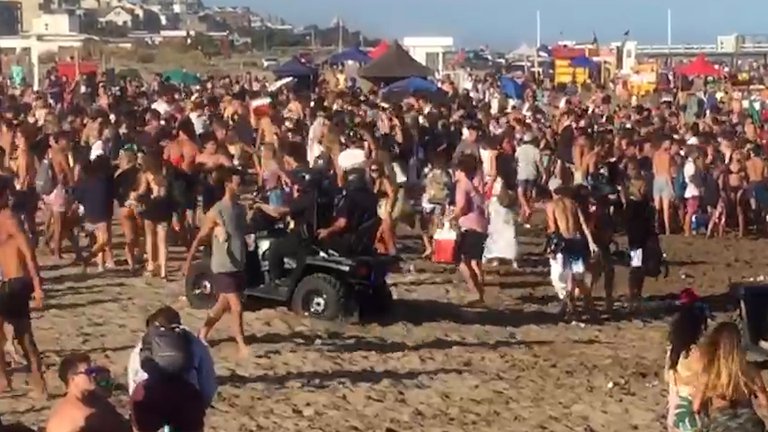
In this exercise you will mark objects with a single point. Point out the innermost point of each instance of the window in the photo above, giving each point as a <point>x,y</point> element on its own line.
<point>45,27</point>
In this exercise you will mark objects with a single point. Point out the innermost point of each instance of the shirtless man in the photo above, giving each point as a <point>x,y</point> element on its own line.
<point>6,140</point>
<point>21,280</point>
<point>25,200</point>
<point>662,181</point>
<point>756,175</point>
<point>56,202</point>
<point>211,158</point>
<point>566,221</point>
<point>580,149</point>
<point>84,407</point>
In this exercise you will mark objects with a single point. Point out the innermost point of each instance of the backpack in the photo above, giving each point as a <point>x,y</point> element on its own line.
<point>167,350</point>
<point>653,258</point>
<point>44,179</point>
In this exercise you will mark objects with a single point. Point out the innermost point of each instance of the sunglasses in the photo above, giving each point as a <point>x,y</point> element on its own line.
<point>100,375</point>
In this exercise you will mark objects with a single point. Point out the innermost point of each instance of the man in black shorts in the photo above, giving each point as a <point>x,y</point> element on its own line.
<point>21,280</point>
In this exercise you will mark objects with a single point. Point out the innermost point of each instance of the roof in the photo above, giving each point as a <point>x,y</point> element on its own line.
<point>395,63</point>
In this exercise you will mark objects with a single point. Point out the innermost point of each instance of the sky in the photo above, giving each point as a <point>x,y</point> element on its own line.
<point>505,24</point>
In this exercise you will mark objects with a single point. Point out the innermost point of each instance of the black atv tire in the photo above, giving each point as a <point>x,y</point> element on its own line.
<point>315,287</point>
<point>199,296</point>
<point>377,302</point>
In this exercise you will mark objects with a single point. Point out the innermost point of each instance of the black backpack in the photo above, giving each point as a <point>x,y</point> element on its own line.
<point>166,350</point>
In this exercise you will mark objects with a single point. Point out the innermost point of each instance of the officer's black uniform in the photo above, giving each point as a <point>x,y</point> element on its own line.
<point>298,240</point>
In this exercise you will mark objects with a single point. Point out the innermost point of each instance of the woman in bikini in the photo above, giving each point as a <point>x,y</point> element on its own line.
<point>385,190</point>
<point>126,182</point>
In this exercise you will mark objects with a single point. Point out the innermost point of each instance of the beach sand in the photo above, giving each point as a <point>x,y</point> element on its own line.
<point>432,366</point>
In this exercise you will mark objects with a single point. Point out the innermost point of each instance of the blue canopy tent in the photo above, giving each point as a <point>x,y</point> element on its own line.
<point>512,88</point>
<point>294,68</point>
<point>413,86</point>
<point>306,76</point>
<point>354,54</point>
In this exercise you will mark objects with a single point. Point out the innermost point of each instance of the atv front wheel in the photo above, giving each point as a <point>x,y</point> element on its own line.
<point>319,296</point>
<point>198,287</point>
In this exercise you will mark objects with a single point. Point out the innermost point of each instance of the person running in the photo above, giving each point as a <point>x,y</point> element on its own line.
<point>566,222</point>
<point>21,280</point>
<point>85,406</point>
<point>225,223</point>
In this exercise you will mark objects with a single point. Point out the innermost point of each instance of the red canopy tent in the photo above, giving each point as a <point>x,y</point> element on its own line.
<point>700,66</point>
<point>380,49</point>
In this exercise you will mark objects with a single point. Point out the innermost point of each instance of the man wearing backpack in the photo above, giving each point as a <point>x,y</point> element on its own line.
<point>171,376</point>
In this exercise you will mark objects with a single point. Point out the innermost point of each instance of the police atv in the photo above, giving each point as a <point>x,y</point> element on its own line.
<point>332,285</point>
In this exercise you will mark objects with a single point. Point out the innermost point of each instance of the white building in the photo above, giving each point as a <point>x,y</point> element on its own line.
<point>59,23</point>
<point>429,51</point>
<point>120,16</point>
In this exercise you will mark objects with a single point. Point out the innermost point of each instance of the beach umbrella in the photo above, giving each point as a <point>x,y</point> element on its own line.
<point>181,77</point>
<point>413,86</point>
<point>277,85</point>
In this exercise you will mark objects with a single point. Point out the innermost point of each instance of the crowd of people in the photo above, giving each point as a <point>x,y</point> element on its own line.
<point>170,164</point>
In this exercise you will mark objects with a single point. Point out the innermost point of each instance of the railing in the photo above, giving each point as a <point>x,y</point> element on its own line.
<point>705,48</point>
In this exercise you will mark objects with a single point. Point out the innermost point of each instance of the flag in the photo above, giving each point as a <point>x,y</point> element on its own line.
<point>594,38</point>
<point>626,33</point>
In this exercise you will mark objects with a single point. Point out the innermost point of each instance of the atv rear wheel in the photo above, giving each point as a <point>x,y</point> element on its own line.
<point>198,287</point>
<point>376,302</point>
<point>319,296</point>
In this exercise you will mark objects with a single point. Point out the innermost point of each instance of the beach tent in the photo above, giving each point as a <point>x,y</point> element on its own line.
<point>294,68</point>
<point>523,51</point>
<point>355,55</point>
<point>380,49</point>
<point>700,66</point>
<point>394,65</point>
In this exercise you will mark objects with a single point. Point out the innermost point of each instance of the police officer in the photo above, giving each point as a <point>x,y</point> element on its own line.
<point>301,210</point>
<point>355,211</point>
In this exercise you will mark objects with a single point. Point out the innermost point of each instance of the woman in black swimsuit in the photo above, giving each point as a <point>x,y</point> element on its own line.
<point>154,191</point>
<point>126,182</point>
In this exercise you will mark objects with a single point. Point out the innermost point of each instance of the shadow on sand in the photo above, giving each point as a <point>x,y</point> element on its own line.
<point>326,379</point>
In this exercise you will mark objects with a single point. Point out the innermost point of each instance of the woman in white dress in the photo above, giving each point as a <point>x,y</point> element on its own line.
<point>502,235</point>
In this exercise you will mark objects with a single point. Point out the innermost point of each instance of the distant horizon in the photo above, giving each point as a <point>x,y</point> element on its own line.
<point>693,22</point>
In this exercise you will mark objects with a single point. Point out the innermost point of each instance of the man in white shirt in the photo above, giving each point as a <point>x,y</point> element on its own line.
<point>353,156</point>
<point>692,189</point>
<point>163,105</point>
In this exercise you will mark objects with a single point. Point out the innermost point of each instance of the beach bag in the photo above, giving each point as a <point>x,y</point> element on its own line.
<point>44,179</point>
<point>166,349</point>
<point>436,187</point>
<point>444,245</point>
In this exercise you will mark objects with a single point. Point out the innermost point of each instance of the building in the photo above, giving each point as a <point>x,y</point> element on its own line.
<point>429,51</point>
<point>56,23</point>
<point>234,17</point>
<point>30,9</point>
<point>10,18</point>
<point>120,16</point>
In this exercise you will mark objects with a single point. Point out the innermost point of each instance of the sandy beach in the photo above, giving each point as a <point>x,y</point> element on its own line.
<point>430,366</point>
